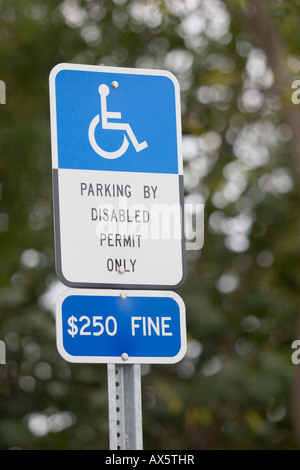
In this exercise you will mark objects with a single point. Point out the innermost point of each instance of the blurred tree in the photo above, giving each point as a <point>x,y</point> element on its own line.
<point>235,61</point>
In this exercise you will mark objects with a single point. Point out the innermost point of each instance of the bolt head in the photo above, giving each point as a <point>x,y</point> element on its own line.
<point>124,356</point>
<point>115,84</point>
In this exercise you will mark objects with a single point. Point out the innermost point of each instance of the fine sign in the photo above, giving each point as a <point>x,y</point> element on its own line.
<point>107,326</point>
<point>117,177</point>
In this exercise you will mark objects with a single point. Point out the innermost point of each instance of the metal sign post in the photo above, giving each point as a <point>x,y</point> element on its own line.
<point>125,407</point>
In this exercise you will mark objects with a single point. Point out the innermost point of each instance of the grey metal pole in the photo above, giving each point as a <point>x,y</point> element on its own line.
<point>125,406</point>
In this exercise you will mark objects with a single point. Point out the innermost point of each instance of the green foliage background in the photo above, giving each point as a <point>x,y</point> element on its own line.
<point>237,387</point>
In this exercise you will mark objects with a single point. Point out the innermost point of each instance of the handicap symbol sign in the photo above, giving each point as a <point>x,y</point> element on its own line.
<point>134,126</point>
<point>106,124</point>
<point>117,177</point>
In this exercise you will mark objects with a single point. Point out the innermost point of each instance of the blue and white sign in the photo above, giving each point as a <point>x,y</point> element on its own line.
<point>117,177</point>
<point>125,327</point>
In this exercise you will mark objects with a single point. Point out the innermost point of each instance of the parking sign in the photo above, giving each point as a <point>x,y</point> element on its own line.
<point>117,177</point>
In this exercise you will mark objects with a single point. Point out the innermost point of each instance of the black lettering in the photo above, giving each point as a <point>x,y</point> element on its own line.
<point>146,192</point>
<point>118,264</point>
<point>105,215</point>
<point>99,189</point>
<point>110,264</point>
<point>110,242</point>
<point>150,191</point>
<point>127,190</point>
<point>91,190</point>
<point>121,215</point>
<point>94,213</point>
<point>129,219</point>
<point>118,239</point>
<point>120,190</point>
<point>127,241</point>
<point>102,238</point>
<point>132,264</point>
<point>83,187</point>
<point>137,216</point>
<point>114,216</point>
<point>107,190</point>
<point>154,189</point>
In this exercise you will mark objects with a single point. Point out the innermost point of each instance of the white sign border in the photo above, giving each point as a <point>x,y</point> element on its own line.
<point>117,359</point>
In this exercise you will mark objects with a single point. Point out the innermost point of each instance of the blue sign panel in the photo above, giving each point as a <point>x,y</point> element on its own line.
<point>126,327</point>
<point>128,117</point>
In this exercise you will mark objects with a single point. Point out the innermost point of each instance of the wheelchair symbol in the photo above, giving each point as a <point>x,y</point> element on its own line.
<point>105,115</point>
